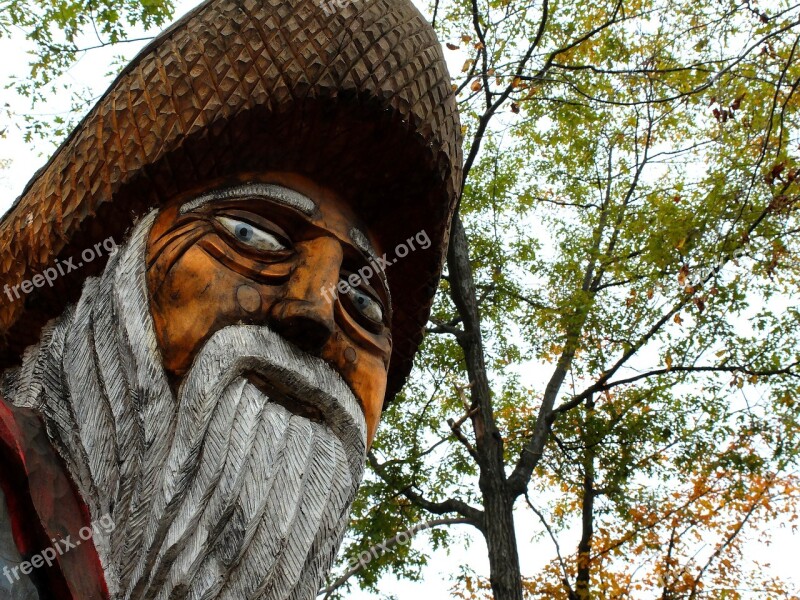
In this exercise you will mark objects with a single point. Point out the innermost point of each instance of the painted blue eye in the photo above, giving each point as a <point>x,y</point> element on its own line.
<point>365,304</point>
<point>244,232</point>
<point>251,235</point>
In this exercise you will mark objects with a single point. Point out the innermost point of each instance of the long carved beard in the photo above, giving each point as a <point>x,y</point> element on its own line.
<point>218,493</point>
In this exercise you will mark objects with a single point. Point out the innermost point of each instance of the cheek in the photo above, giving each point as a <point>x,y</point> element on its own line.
<point>193,300</point>
<point>366,374</point>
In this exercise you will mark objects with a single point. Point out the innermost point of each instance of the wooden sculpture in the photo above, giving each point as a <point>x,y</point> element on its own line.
<point>209,293</point>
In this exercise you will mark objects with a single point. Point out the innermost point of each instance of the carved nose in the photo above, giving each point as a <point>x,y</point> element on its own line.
<point>304,324</point>
<point>305,315</point>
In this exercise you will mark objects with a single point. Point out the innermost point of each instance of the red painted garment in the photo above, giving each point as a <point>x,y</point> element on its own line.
<point>45,509</point>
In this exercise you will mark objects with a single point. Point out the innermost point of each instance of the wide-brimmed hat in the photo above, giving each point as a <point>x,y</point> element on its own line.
<point>355,95</point>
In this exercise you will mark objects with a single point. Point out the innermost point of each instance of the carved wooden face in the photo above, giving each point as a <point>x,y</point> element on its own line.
<point>273,253</point>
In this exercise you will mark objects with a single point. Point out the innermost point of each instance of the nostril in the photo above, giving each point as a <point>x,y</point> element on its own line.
<point>308,333</point>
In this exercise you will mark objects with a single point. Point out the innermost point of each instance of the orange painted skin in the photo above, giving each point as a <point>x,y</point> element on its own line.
<point>203,276</point>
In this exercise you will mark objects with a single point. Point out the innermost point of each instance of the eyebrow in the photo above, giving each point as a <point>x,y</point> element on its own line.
<point>276,193</point>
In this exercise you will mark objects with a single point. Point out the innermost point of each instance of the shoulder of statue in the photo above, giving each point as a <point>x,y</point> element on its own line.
<point>10,437</point>
<point>21,431</point>
<point>45,508</point>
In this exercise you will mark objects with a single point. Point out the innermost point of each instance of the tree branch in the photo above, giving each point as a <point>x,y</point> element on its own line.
<point>565,575</point>
<point>451,505</point>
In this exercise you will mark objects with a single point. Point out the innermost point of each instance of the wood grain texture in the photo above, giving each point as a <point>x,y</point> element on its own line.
<point>360,100</point>
<point>215,492</point>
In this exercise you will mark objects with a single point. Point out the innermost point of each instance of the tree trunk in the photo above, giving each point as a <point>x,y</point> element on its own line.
<point>498,501</point>
<point>501,540</point>
<point>583,579</point>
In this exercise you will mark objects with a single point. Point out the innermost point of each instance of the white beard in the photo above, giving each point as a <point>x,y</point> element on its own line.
<point>218,494</point>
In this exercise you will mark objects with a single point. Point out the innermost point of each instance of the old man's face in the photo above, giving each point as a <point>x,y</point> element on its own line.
<point>282,252</point>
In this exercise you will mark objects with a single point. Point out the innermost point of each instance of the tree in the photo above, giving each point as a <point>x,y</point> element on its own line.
<point>61,32</point>
<point>628,234</point>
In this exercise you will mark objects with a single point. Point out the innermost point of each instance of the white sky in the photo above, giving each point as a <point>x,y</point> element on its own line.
<point>436,581</point>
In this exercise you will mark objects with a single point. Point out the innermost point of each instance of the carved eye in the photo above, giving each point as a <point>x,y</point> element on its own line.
<point>365,304</point>
<point>251,235</point>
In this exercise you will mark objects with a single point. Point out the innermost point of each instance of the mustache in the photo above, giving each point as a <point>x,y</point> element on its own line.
<point>304,384</point>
